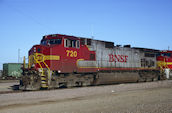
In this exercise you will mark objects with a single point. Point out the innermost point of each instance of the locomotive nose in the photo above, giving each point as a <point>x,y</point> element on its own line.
<point>37,49</point>
<point>35,55</point>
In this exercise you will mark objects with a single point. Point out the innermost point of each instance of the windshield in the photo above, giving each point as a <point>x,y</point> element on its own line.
<point>164,54</point>
<point>51,41</point>
<point>44,42</point>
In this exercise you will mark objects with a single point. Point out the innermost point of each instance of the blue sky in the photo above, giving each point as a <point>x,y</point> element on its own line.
<point>141,23</point>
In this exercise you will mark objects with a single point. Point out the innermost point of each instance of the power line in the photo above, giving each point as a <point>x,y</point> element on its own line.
<point>29,17</point>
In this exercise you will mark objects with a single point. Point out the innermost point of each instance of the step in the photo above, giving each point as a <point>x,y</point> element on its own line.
<point>43,75</point>
<point>44,86</point>
<point>43,78</point>
<point>43,82</point>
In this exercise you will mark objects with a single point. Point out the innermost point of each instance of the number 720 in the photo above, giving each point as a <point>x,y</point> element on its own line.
<point>71,53</point>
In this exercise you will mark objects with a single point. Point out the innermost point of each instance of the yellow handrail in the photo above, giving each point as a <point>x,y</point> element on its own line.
<point>41,58</point>
<point>162,65</point>
<point>29,62</point>
<point>39,65</point>
<point>24,62</point>
<point>48,69</point>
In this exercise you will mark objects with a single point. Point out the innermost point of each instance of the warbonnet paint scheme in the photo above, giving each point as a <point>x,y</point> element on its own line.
<point>68,61</point>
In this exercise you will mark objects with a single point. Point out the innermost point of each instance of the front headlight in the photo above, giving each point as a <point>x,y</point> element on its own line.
<point>34,49</point>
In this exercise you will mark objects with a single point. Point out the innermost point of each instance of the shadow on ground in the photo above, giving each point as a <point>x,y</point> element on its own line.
<point>15,87</point>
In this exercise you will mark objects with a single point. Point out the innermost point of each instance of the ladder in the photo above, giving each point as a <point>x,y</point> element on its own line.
<point>45,73</point>
<point>44,79</point>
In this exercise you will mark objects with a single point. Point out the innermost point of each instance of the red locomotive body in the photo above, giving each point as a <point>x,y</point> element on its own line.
<point>60,53</point>
<point>62,60</point>
<point>164,59</point>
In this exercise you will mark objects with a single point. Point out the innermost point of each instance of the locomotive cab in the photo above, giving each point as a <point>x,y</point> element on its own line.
<point>60,53</point>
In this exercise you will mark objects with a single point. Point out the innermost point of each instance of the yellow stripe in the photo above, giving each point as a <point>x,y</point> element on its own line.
<point>41,57</point>
<point>163,62</point>
<point>43,82</point>
<point>78,61</point>
<point>44,86</point>
<point>52,57</point>
<point>169,63</point>
<point>116,67</point>
<point>43,78</point>
<point>88,47</point>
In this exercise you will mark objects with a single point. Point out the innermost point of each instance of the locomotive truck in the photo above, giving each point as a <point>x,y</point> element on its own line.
<point>70,61</point>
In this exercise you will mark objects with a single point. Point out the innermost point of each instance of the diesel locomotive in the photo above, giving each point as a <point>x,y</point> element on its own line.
<point>70,61</point>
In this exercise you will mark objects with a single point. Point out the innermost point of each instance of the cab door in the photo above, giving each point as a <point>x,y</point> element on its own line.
<point>71,54</point>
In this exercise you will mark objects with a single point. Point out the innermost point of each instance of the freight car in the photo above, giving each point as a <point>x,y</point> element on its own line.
<point>12,70</point>
<point>69,61</point>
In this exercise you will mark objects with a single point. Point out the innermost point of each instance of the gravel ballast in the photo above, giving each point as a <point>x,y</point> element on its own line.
<point>137,96</point>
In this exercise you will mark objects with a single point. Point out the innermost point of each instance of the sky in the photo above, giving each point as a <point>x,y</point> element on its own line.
<point>140,23</point>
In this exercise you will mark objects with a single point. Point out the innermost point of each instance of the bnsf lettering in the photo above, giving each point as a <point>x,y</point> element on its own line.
<point>118,58</point>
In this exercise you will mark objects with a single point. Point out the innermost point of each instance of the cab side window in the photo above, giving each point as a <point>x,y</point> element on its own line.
<point>77,44</point>
<point>71,43</point>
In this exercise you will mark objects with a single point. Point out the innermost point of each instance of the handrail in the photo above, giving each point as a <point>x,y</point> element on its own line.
<point>48,69</point>
<point>39,65</point>
<point>41,58</point>
<point>162,65</point>
<point>29,63</point>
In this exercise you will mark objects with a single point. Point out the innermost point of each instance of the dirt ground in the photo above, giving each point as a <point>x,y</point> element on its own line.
<point>150,97</point>
<point>8,85</point>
